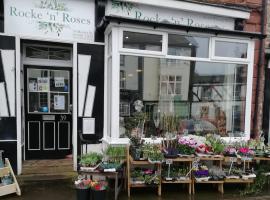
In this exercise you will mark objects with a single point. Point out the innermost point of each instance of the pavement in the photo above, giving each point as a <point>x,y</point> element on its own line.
<point>63,190</point>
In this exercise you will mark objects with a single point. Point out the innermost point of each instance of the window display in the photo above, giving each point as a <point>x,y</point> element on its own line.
<point>191,96</point>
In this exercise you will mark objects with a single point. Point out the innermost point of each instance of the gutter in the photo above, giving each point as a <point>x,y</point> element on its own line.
<point>260,63</point>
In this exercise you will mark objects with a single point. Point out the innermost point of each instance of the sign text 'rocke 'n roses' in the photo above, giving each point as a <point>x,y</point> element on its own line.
<point>167,15</point>
<point>71,20</point>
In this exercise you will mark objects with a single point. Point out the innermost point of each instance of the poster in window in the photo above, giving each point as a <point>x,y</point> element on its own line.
<point>33,87</point>
<point>43,84</point>
<point>59,102</point>
<point>59,82</point>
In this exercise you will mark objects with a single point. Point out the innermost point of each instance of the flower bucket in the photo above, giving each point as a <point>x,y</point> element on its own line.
<point>83,194</point>
<point>98,194</point>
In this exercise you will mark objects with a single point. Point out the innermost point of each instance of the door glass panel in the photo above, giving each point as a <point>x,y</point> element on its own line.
<point>59,81</point>
<point>59,103</point>
<point>48,91</point>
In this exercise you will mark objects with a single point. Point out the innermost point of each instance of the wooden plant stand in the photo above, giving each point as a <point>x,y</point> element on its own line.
<point>11,188</point>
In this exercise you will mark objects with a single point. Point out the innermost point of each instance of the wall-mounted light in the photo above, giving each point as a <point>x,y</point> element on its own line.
<point>126,37</point>
<point>138,70</point>
<point>130,75</point>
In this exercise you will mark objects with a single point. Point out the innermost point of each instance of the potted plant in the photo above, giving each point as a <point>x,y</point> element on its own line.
<point>201,173</point>
<point>82,188</point>
<point>135,147</point>
<point>98,190</point>
<point>186,146</point>
<point>216,143</point>
<point>137,176</point>
<point>155,155</point>
<point>115,157</point>
<point>216,174</point>
<point>169,147</point>
<point>245,153</point>
<point>230,151</point>
<point>181,174</point>
<point>90,161</point>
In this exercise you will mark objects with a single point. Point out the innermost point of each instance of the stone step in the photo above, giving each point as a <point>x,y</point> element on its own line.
<point>27,179</point>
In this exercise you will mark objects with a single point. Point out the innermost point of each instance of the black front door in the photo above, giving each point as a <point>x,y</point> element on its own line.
<point>48,118</point>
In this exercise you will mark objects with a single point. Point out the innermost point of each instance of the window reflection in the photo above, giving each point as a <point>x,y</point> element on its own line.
<point>202,97</point>
<point>231,49</point>
<point>189,46</point>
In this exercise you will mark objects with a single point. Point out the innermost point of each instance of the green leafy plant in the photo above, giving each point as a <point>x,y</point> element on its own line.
<point>115,154</point>
<point>90,159</point>
<point>216,143</point>
<point>153,152</point>
<point>259,183</point>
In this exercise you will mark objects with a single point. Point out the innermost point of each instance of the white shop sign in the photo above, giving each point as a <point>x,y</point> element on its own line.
<point>167,15</point>
<point>72,20</point>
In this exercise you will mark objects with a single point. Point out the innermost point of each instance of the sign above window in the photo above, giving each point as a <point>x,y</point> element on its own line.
<point>72,20</point>
<point>167,15</point>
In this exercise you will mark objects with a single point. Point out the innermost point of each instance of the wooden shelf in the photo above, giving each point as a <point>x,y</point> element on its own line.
<point>182,159</point>
<point>134,185</point>
<point>238,181</point>
<point>11,188</point>
<point>207,182</point>
<point>139,162</point>
<point>177,182</point>
<point>211,158</point>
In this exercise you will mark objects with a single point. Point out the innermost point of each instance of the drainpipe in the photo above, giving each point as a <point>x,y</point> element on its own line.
<point>260,63</point>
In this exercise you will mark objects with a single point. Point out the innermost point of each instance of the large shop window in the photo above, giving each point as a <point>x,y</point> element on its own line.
<point>200,97</point>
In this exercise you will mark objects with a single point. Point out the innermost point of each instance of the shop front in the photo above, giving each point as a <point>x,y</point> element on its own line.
<point>106,69</point>
<point>192,68</point>
<point>51,78</point>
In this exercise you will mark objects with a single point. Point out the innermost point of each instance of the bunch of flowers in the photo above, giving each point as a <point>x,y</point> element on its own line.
<point>99,185</point>
<point>245,151</point>
<point>230,151</point>
<point>201,171</point>
<point>187,145</point>
<point>82,183</point>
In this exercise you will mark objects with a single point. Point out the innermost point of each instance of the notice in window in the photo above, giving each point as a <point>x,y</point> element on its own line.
<point>43,84</point>
<point>59,102</point>
<point>59,82</point>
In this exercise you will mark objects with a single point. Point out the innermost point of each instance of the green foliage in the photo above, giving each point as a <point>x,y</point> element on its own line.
<point>152,152</point>
<point>215,143</point>
<point>259,182</point>
<point>115,154</point>
<point>185,149</point>
<point>90,159</point>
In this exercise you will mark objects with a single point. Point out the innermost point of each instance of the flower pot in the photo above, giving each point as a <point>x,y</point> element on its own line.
<point>83,194</point>
<point>136,153</point>
<point>98,194</point>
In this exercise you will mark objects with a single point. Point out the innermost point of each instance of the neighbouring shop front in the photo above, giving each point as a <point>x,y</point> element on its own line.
<point>98,68</point>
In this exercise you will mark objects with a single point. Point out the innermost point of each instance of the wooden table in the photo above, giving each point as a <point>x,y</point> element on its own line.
<point>115,175</point>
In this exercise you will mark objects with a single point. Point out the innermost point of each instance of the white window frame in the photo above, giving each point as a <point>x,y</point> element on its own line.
<point>117,43</point>
<point>223,39</point>
<point>158,53</point>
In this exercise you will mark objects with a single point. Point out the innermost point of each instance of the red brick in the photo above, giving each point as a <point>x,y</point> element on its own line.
<point>255,18</point>
<point>250,27</point>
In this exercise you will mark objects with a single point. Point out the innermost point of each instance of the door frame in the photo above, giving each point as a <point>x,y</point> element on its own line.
<point>20,66</point>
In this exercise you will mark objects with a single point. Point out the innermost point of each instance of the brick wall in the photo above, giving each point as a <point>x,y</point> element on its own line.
<point>253,24</point>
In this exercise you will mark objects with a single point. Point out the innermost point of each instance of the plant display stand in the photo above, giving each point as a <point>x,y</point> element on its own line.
<point>187,160</point>
<point>133,163</point>
<point>218,162</point>
<point>11,188</point>
<point>238,180</point>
